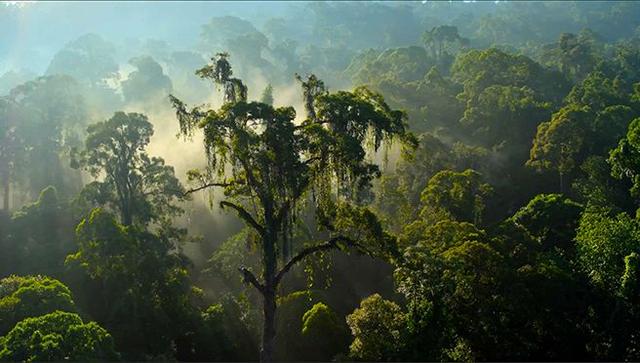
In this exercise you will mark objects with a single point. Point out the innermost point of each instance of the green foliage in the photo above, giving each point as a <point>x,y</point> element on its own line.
<point>629,282</point>
<point>362,226</point>
<point>559,142</point>
<point>41,235</point>
<point>598,91</point>
<point>572,54</point>
<point>452,273</point>
<point>625,61</point>
<point>324,332</point>
<point>88,58</point>
<point>376,327</point>
<point>595,118</point>
<point>442,40</point>
<point>411,80</point>
<point>436,98</point>
<point>479,69</point>
<point>262,144</point>
<point>249,46</point>
<point>239,249</point>
<point>449,275</point>
<point>551,219</point>
<point>26,296</point>
<point>603,242</point>
<point>264,160</point>
<point>140,188</point>
<point>147,83</point>
<point>458,196</point>
<point>399,194</point>
<point>364,26</point>
<point>400,65</point>
<point>599,188</point>
<point>52,103</point>
<point>57,336</point>
<point>136,281</point>
<point>220,73</point>
<point>213,320</point>
<point>221,336</point>
<point>220,29</point>
<point>493,259</point>
<point>507,115</point>
<point>291,344</point>
<point>474,271</point>
<point>624,158</point>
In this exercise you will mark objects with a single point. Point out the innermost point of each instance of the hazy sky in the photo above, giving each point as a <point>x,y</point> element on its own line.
<point>31,32</point>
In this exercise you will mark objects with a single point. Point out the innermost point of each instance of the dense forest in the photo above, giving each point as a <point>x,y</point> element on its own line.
<point>320,181</point>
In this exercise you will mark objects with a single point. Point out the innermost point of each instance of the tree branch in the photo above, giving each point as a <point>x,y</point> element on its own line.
<point>303,125</point>
<point>312,160</point>
<point>205,186</point>
<point>330,244</point>
<point>249,278</point>
<point>244,215</point>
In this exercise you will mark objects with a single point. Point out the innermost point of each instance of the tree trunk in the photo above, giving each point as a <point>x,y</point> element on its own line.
<point>127,218</point>
<point>269,327</point>
<point>270,262</point>
<point>6,192</point>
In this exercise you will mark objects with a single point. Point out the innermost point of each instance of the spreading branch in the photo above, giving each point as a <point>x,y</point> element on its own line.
<point>249,278</point>
<point>328,245</point>
<point>244,215</point>
<point>206,186</point>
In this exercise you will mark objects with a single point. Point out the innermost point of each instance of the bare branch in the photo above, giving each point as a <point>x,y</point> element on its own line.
<point>328,245</point>
<point>249,278</point>
<point>246,216</point>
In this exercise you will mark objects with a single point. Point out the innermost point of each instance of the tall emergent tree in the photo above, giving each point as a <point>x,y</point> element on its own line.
<point>140,188</point>
<point>270,166</point>
<point>133,270</point>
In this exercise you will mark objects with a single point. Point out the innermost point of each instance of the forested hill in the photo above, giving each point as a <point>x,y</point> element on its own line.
<point>320,181</point>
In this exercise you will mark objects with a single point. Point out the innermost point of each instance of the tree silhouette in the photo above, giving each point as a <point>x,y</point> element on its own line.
<point>269,167</point>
